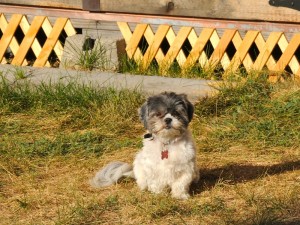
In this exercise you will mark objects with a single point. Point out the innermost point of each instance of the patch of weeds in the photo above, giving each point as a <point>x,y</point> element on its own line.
<point>92,55</point>
<point>22,203</point>
<point>112,202</point>
<point>95,58</point>
<point>19,73</point>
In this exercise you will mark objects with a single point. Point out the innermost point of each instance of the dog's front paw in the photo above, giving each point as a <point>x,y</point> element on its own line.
<point>181,196</point>
<point>156,189</point>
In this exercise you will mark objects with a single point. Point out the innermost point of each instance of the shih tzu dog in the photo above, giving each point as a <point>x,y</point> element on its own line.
<point>167,159</point>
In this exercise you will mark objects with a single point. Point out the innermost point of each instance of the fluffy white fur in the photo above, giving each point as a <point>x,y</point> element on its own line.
<point>177,172</point>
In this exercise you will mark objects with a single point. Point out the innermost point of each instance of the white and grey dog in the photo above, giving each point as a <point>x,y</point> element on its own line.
<point>167,159</point>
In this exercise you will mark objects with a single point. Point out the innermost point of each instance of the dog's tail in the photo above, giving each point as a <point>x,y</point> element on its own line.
<point>111,174</point>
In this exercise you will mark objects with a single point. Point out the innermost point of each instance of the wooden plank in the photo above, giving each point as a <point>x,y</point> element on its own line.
<point>69,29</point>
<point>257,10</point>
<point>95,20</point>
<point>50,42</point>
<point>14,45</point>
<point>149,35</point>
<point>261,43</point>
<point>134,41</point>
<point>8,33</point>
<point>127,34</point>
<point>175,48</point>
<point>71,4</point>
<point>221,48</point>
<point>58,48</point>
<point>47,27</point>
<point>125,30</point>
<point>215,41</point>
<point>24,25</point>
<point>242,51</point>
<point>155,45</point>
<point>29,38</point>
<point>3,61</point>
<point>266,51</point>
<point>199,46</point>
<point>237,41</point>
<point>283,44</point>
<point>288,53</point>
<point>36,47</point>
<point>193,37</point>
<point>171,36</point>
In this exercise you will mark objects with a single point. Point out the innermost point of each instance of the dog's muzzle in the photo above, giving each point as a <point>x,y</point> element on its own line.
<point>168,122</point>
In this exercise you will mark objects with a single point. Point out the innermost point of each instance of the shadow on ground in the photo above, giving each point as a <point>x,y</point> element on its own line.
<point>234,173</point>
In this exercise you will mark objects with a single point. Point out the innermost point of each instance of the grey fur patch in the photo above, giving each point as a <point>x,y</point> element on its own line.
<point>143,114</point>
<point>167,102</point>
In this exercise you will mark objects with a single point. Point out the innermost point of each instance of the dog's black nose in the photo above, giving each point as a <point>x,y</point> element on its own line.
<point>168,120</point>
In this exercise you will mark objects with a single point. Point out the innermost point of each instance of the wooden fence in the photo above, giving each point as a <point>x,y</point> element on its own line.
<point>31,35</point>
<point>209,49</point>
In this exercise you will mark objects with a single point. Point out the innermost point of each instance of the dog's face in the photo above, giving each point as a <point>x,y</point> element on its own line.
<point>167,115</point>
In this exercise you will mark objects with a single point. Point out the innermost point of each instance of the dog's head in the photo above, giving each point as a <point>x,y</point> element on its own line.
<point>167,115</point>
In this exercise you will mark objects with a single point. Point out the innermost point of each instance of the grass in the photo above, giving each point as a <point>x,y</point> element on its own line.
<point>254,113</point>
<point>96,58</point>
<point>170,69</point>
<point>92,55</point>
<point>53,138</point>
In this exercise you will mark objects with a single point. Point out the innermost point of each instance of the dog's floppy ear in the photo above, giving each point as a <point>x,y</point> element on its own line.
<point>143,113</point>
<point>190,110</point>
<point>189,107</point>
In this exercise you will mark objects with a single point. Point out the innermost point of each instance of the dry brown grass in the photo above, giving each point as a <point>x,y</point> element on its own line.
<point>231,189</point>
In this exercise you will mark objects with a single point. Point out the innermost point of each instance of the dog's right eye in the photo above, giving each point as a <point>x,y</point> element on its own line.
<point>158,114</point>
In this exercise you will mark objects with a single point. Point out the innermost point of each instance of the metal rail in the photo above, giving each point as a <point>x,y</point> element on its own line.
<point>148,19</point>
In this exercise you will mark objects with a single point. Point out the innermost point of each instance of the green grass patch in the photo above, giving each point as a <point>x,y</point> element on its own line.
<point>196,71</point>
<point>59,119</point>
<point>253,113</point>
<point>20,97</point>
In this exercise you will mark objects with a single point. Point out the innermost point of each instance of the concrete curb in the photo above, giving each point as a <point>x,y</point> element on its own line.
<point>195,89</point>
